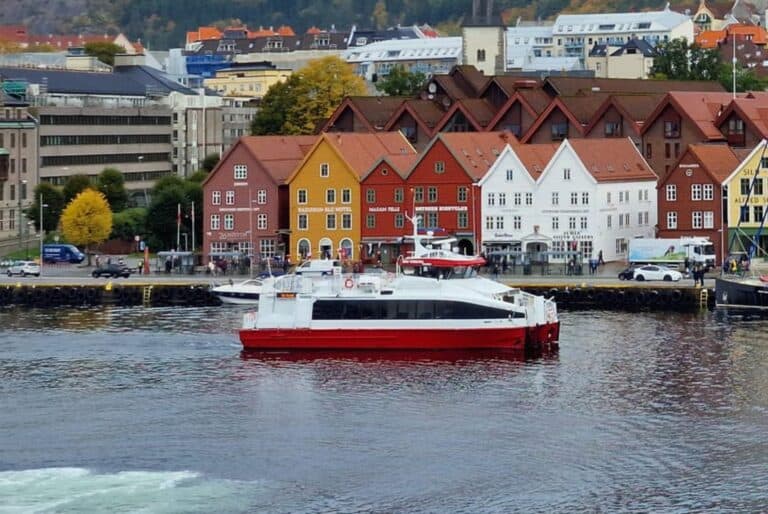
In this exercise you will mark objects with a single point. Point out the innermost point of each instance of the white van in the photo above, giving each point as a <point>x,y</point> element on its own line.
<point>319,267</point>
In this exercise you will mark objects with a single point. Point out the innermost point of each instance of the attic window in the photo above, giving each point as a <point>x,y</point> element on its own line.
<point>384,171</point>
<point>440,167</point>
<point>644,25</point>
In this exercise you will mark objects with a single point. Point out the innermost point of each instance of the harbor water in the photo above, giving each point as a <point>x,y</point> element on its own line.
<point>158,411</point>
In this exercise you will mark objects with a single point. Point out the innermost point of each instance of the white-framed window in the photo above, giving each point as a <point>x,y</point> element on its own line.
<point>346,195</point>
<point>572,223</point>
<point>439,167</point>
<point>621,196</point>
<point>215,222</point>
<point>626,219</point>
<point>432,219</point>
<point>709,192</point>
<point>489,222</point>
<point>583,223</point>
<point>370,195</point>
<point>697,219</point>
<point>671,192</point>
<point>330,221</point>
<point>621,221</point>
<point>585,198</point>
<point>216,197</point>
<point>261,222</point>
<point>510,175</point>
<point>608,198</point>
<point>500,222</point>
<point>609,221</point>
<point>370,221</point>
<point>330,196</point>
<point>432,194</point>
<point>267,248</point>
<point>325,169</point>
<point>555,223</point>
<point>502,199</point>
<point>229,222</point>
<point>528,198</point>
<point>491,199</point>
<point>261,196</point>
<point>517,198</point>
<point>645,218</point>
<point>555,198</point>
<point>566,173</point>
<point>346,221</point>
<point>672,220</point>
<point>399,195</point>
<point>696,192</point>
<point>574,198</point>
<point>241,172</point>
<point>400,220</point>
<point>462,194</point>
<point>303,222</point>
<point>301,196</point>
<point>462,219</point>
<point>229,198</point>
<point>517,222</point>
<point>709,219</point>
<point>639,218</point>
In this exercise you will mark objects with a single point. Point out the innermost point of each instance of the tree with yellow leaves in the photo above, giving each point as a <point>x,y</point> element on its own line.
<point>308,97</point>
<point>87,219</point>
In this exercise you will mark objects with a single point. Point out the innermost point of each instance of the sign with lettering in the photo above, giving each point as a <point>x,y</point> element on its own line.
<point>441,208</point>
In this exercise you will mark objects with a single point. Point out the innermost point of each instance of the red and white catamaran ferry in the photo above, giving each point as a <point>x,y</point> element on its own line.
<point>439,303</point>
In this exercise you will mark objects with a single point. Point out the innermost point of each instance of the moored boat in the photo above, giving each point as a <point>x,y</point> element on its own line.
<point>246,292</point>
<point>741,292</point>
<point>396,312</point>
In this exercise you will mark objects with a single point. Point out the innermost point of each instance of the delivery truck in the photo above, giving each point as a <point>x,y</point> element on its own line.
<point>672,252</point>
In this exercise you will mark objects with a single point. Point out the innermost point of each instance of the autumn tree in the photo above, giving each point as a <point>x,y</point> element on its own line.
<point>53,200</point>
<point>308,97</point>
<point>111,182</point>
<point>87,220</point>
<point>401,82</point>
<point>104,51</point>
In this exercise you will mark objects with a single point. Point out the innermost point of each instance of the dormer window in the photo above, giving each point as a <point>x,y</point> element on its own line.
<point>672,128</point>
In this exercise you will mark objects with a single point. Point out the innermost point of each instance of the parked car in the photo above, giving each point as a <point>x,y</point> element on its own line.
<point>111,271</point>
<point>24,268</point>
<point>627,273</point>
<point>655,272</point>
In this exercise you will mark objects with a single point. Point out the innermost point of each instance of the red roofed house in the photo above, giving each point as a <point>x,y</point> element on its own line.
<point>245,197</point>
<point>690,197</point>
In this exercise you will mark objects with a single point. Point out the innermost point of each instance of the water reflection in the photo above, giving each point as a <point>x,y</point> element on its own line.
<point>407,356</point>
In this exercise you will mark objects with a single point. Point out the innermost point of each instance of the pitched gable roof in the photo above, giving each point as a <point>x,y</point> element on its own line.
<point>475,151</point>
<point>634,108</point>
<point>372,111</point>
<point>718,161</point>
<point>277,155</point>
<point>362,151</point>
<point>535,157</point>
<point>558,104</point>
<point>701,109</point>
<point>572,86</point>
<point>752,108</point>
<point>612,159</point>
<point>400,164</point>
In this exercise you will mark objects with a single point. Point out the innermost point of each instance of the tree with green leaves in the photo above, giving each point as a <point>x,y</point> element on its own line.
<point>104,51</point>
<point>210,162</point>
<point>746,79</point>
<point>53,201</point>
<point>401,82</point>
<point>677,60</point>
<point>111,182</point>
<point>168,193</point>
<point>129,223</point>
<point>308,97</point>
<point>74,185</point>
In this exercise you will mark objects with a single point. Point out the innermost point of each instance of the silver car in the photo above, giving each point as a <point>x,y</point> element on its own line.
<point>24,268</point>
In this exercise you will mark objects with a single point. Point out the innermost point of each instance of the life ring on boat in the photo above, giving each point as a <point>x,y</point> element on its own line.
<point>349,283</point>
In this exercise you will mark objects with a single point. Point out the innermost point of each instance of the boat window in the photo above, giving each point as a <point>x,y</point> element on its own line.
<point>335,309</point>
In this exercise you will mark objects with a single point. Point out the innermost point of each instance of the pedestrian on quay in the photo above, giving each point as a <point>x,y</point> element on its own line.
<point>600,261</point>
<point>495,271</point>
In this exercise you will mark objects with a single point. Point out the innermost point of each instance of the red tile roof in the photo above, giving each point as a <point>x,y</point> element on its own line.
<point>362,151</point>
<point>702,109</point>
<point>535,157</point>
<point>476,151</point>
<point>278,155</point>
<point>612,159</point>
<point>718,160</point>
<point>14,33</point>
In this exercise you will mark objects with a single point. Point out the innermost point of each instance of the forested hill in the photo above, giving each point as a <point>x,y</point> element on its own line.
<point>162,24</point>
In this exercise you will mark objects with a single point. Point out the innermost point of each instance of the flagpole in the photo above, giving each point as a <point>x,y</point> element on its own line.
<point>178,227</point>
<point>734,65</point>
<point>193,227</point>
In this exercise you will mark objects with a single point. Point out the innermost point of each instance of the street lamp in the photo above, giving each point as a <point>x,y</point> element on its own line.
<point>42,233</point>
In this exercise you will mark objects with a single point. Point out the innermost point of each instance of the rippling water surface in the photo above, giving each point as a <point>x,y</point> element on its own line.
<point>157,410</point>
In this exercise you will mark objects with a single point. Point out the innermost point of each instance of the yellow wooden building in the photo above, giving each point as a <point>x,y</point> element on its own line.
<point>747,189</point>
<point>324,192</point>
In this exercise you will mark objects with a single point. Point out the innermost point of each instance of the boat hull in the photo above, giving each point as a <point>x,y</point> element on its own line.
<point>741,293</point>
<point>509,338</point>
<point>238,298</point>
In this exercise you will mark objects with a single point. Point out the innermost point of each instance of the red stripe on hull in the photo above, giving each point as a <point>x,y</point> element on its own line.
<point>517,338</point>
